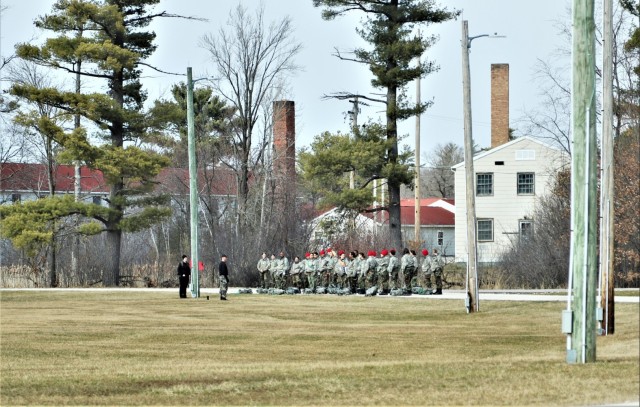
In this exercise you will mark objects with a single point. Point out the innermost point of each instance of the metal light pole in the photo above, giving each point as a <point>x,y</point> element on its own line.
<point>472,303</point>
<point>193,188</point>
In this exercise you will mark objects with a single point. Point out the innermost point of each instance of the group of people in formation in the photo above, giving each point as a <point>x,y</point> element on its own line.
<point>354,271</point>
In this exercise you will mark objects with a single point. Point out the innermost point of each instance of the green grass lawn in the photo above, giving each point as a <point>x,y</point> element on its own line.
<point>132,348</point>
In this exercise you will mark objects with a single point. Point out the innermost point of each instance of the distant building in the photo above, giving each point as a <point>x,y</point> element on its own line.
<point>509,181</point>
<point>437,223</point>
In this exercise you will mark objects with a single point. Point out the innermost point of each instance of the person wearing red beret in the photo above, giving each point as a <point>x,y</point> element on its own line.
<point>383,272</point>
<point>372,267</point>
<point>426,269</point>
<point>408,269</point>
<point>393,269</point>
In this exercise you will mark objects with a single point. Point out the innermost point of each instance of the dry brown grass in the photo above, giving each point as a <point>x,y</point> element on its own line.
<point>131,348</point>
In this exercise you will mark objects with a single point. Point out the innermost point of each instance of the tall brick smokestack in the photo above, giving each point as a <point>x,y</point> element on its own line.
<point>284,142</point>
<point>499,104</point>
<point>284,173</point>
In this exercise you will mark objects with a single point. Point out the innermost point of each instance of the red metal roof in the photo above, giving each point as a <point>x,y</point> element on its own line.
<point>429,216</point>
<point>25,177</point>
<point>33,178</point>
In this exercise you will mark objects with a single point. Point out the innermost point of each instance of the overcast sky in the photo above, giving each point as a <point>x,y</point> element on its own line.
<point>530,28</point>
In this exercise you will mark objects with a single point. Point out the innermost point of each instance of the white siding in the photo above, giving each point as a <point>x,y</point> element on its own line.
<point>429,236</point>
<point>505,206</point>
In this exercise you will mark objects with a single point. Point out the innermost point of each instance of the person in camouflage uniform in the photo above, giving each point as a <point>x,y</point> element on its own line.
<point>426,270</point>
<point>273,265</point>
<point>331,267</point>
<point>263,269</point>
<point>281,271</point>
<point>297,270</point>
<point>311,271</point>
<point>415,281</point>
<point>321,268</point>
<point>437,263</point>
<point>372,267</point>
<point>393,268</point>
<point>383,272</point>
<point>362,271</point>
<point>407,268</point>
<point>340,269</point>
<point>352,271</point>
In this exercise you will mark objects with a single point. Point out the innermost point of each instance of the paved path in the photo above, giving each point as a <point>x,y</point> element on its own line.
<point>485,295</point>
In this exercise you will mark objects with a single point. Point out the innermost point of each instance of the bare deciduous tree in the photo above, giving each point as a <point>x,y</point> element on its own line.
<point>252,61</point>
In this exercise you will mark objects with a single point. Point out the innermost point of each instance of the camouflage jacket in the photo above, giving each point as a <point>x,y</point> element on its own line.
<point>372,264</point>
<point>394,264</point>
<point>263,265</point>
<point>297,268</point>
<point>408,262</point>
<point>426,265</point>
<point>383,264</point>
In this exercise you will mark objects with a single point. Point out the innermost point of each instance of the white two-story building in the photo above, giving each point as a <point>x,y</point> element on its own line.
<point>509,181</point>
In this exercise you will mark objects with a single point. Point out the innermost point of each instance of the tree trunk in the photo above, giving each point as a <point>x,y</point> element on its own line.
<point>111,274</point>
<point>395,232</point>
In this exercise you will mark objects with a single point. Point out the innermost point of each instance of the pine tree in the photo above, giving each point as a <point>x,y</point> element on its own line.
<point>388,29</point>
<point>112,51</point>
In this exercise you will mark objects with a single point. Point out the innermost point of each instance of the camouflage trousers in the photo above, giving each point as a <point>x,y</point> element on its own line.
<point>311,278</point>
<point>351,282</point>
<point>224,285</point>
<point>408,275</point>
<point>427,280</point>
<point>383,280</point>
<point>280,280</point>
<point>393,280</point>
<point>296,281</point>
<point>438,274</point>
<point>264,279</point>
<point>370,279</point>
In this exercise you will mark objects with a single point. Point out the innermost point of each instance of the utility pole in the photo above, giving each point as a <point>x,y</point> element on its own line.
<point>473,302</point>
<point>193,188</point>
<point>581,344</point>
<point>607,322</point>
<point>354,127</point>
<point>472,244</point>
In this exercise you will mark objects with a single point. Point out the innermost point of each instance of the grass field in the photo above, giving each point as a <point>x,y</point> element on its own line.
<point>132,348</point>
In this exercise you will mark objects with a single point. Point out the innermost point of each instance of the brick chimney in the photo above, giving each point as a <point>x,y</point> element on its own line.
<point>284,173</point>
<point>499,104</point>
<point>284,142</point>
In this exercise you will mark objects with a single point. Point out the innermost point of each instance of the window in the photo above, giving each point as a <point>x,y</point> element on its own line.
<point>16,198</point>
<point>526,229</point>
<point>485,230</point>
<point>440,238</point>
<point>525,155</point>
<point>484,184</point>
<point>96,200</point>
<point>526,183</point>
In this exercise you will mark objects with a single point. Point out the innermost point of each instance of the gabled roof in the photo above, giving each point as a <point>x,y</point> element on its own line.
<point>506,145</point>
<point>26,177</point>
<point>433,212</point>
<point>429,216</point>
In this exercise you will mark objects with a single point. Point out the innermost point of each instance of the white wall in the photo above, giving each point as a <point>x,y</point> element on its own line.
<point>505,206</point>
<point>429,235</point>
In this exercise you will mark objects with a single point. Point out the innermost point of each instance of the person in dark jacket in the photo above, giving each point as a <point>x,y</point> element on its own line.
<point>184,273</point>
<point>223,273</point>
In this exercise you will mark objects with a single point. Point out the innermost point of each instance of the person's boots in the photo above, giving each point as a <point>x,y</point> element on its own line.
<point>438,291</point>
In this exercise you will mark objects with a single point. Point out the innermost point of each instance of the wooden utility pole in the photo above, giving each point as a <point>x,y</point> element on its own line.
<point>472,262</point>
<point>607,324</point>
<point>581,348</point>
